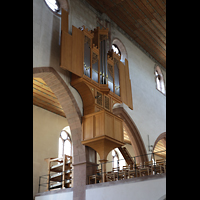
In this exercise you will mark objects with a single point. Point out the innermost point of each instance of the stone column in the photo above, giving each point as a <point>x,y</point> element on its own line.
<point>103,169</point>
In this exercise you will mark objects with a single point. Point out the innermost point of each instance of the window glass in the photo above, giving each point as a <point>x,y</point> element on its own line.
<point>159,80</point>
<point>53,5</point>
<point>116,49</point>
<point>65,145</point>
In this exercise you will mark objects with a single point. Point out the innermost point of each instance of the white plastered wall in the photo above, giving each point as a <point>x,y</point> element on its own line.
<point>46,131</point>
<point>151,189</point>
<point>149,105</point>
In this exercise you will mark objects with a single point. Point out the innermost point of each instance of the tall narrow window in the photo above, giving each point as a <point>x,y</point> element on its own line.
<point>115,158</point>
<point>65,145</point>
<point>160,85</point>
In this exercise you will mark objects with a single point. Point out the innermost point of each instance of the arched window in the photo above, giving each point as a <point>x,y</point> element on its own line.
<point>115,158</point>
<point>117,45</point>
<point>65,145</point>
<point>116,49</point>
<point>56,6</point>
<point>160,85</point>
<point>53,5</point>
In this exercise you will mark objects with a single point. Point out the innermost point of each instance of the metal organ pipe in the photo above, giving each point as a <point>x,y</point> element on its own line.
<point>103,62</point>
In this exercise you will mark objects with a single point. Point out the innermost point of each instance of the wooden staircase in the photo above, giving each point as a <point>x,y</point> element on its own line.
<point>60,174</point>
<point>126,156</point>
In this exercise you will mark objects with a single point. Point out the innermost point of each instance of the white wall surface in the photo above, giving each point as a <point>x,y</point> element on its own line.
<point>149,105</point>
<point>46,131</point>
<point>57,196</point>
<point>142,190</point>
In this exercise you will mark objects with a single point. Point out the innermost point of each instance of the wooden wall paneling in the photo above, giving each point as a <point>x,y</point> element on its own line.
<point>109,125</point>
<point>64,21</point>
<point>107,102</point>
<point>118,129</point>
<point>86,92</point>
<point>99,125</point>
<point>99,100</point>
<point>128,86</point>
<point>66,51</point>
<point>122,82</point>
<point>98,108</point>
<point>77,51</point>
<point>88,127</point>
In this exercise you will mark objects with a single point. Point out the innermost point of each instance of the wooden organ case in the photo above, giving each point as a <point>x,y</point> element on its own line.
<point>101,79</point>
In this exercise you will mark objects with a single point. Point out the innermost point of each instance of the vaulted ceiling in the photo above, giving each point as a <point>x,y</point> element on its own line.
<point>160,149</point>
<point>45,98</point>
<point>143,20</point>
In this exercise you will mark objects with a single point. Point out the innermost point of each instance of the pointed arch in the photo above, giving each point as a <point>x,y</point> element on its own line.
<point>162,137</point>
<point>133,133</point>
<point>73,115</point>
<point>122,49</point>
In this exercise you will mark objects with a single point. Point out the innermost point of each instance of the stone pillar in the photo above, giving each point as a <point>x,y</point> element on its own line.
<point>103,169</point>
<point>79,181</point>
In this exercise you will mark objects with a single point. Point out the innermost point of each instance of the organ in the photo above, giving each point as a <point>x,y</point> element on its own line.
<point>101,79</point>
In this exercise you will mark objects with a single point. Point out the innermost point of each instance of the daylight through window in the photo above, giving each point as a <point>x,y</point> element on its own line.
<point>116,49</point>
<point>53,5</point>
<point>159,80</point>
<point>65,145</point>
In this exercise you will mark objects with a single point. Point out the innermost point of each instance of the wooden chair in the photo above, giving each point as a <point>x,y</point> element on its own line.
<point>110,176</point>
<point>146,168</point>
<point>134,172</point>
<point>156,168</point>
<point>96,177</point>
<point>118,175</point>
<point>122,174</point>
<point>162,163</point>
<point>124,171</point>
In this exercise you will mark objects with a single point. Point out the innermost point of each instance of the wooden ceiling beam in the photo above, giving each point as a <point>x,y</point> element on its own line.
<point>149,50</point>
<point>42,105</point>
<point>161,4</point>
<point>46,99</point>
<point>145,10</point>
<point>152,33</point>
<point>149,43</point>
<point>134,11</point>
<point>157,7</point>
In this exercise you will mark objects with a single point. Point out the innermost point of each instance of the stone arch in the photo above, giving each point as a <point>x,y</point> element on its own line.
<point>73,115</point>
<point>122,48</point>
<point>133,133</point>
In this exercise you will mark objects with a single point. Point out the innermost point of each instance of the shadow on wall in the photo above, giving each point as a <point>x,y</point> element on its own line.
<point>55,43</point>
<point>163,197</point>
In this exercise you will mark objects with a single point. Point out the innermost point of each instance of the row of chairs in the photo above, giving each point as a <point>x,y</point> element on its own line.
<point>148,168</point>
